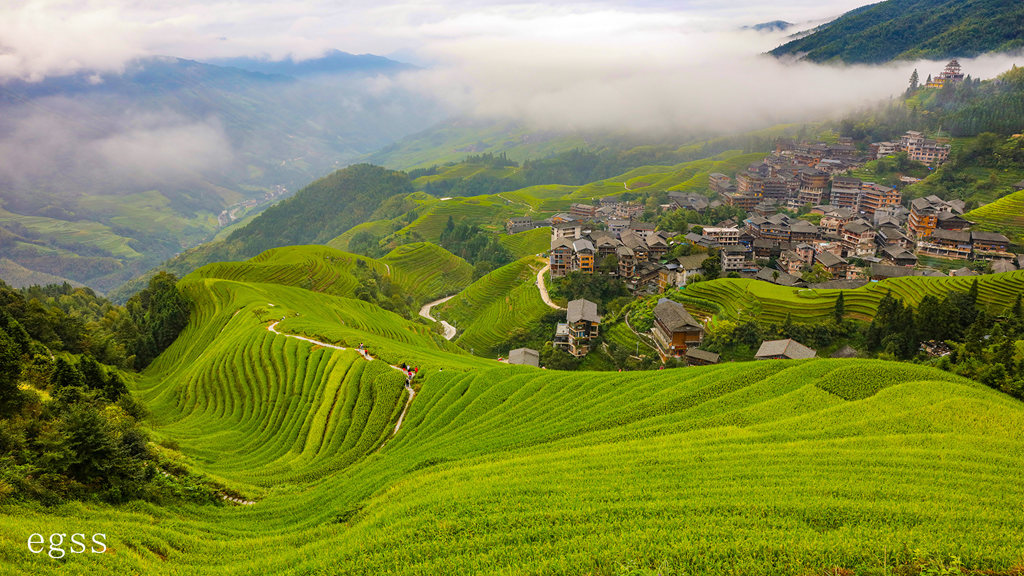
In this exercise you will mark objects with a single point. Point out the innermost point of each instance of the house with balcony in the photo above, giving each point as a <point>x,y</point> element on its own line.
<point>675,330</point>
<point>946,244</point>
<point>579,329</point>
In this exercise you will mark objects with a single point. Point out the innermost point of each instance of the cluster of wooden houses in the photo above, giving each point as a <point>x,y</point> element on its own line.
<point>676,334</point>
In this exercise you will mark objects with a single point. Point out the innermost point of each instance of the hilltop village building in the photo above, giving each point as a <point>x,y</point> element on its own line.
<point>855,230</point>
<point>579,329</point>
<point>675,330</point>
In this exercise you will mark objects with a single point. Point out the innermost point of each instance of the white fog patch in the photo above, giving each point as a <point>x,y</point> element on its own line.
<point>62,142</point>
<point>654,75</point>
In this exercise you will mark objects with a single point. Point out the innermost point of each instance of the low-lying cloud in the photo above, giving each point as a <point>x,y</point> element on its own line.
<point>652,67</point>
<point>655,74</point>
<point>62,146</point>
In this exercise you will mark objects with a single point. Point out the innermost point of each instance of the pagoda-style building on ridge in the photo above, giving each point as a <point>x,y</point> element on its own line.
<point>951,75</point>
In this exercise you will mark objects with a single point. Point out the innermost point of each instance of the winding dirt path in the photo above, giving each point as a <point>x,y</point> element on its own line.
<point>544,289</point>
<point>449,330</point>
<point>366,355</point>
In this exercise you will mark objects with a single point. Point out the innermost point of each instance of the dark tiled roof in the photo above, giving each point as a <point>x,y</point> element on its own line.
<point>674,315</point>
<point>525,356</point>
<point>582,310</point>
<point>829,259</point>
<point>704,355</point>
<point>789,348</point>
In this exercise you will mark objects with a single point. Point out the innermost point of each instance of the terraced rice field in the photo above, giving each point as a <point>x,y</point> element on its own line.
<point>488,212</point>
<point>1005,215</point>
<point>422,270</point>
<point>742,298</point>
<point>763,468</point>
<point>378,228</point>
<point>315,268</point>
<point>622,337</point>
<point>495,306</point>
<point>688,176</point>
<point>432,270</point>
<point>527,243</point>
<point>543,198</point>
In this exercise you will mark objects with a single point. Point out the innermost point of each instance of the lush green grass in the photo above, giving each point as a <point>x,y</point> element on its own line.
<point>496,306</point>
<point>428,269</point>
<point>527,243</point>
<point>752,468</point>
<point>422,271</point>
<point>742,298</point>
<point>1005,215</point>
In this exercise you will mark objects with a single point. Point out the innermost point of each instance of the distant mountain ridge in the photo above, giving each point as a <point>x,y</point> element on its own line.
<point>911,29</point>
<point>773,26</point>
<point>332,62</point>
<point>104,175</point>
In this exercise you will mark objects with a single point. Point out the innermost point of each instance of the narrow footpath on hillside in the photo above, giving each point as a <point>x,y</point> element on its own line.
<point>529,208</point>
<point>544,289</point>
<point>409,374</point>
<point>449,330</point>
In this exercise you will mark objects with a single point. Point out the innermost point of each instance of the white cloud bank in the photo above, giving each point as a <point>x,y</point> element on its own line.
<point>649,73</point>
<point>596,64</point>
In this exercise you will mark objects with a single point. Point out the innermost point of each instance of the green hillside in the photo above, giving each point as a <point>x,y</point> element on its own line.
<point>418,272</point>
<point>1005,215</point>
<point>497,307</point>
<point>527,243</point>
<point>742,298</point>
<point>428,269</point>
<point>914,29</point>
<point>754,468</point>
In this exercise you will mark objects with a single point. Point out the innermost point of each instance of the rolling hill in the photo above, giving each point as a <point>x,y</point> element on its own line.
<point>913,29</point>
<point>494,308</point>
<point>737,297</point>
<point>756,468</point>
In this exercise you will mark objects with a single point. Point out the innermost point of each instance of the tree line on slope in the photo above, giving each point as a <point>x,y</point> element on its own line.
<point>69,428</point>
<point>913,29</point>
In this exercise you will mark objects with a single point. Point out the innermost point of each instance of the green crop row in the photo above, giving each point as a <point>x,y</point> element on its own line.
<point>772,467</point>
<point>743,298</point>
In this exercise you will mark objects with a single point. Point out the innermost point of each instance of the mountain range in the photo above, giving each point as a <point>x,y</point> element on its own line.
<point>913,29</point>
<point>106,175</point>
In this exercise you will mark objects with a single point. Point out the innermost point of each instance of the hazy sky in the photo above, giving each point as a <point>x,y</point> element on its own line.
<point>646,66</point>
<point>45,37</point>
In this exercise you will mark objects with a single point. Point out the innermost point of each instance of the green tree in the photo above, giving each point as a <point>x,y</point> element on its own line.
<point>10,371</point>
<point>609,263</point>
<point>816,274</point>
<point>712,267</point>
<point>840,308</point>
<point>161,312</point>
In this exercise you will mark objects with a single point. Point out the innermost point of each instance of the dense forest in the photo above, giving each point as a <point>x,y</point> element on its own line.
<point>963,109</point>
<point>69,429</point>
<point>914,29</point>
<point>470,243</point>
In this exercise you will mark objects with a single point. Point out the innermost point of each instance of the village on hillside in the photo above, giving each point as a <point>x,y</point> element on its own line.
<point>808,224</point>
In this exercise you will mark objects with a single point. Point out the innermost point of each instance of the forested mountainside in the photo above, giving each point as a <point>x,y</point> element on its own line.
<point>914,29</point>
